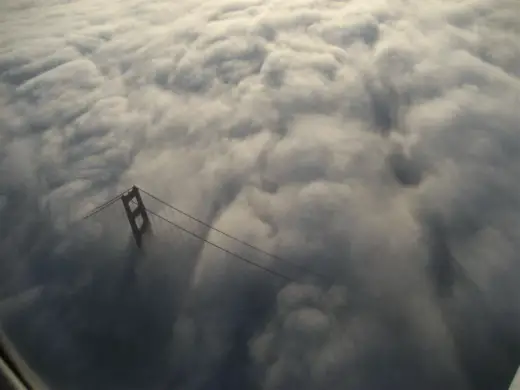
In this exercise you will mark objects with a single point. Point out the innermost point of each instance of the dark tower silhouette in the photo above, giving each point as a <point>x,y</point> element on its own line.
<point>136,210</point>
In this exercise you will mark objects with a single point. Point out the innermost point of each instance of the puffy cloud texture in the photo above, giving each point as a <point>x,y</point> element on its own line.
<point>376,142</point>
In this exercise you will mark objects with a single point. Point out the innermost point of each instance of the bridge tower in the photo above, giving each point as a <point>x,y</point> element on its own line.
<point>136,214</point>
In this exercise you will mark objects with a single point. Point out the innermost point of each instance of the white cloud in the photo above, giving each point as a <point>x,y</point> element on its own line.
<point>366,140</point>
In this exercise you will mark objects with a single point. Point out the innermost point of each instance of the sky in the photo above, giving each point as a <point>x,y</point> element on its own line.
<point>375,142</point>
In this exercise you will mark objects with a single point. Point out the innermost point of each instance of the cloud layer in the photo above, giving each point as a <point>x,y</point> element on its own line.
<point>374,142</point>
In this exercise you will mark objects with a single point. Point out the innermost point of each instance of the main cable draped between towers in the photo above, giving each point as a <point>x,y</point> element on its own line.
<point>462,271</point>
<point>308,270</point>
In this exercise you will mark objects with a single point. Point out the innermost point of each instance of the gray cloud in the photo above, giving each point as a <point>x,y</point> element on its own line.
<point>373,142</point>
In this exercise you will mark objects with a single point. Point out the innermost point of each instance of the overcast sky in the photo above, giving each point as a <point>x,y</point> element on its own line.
<point>376,142</point>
